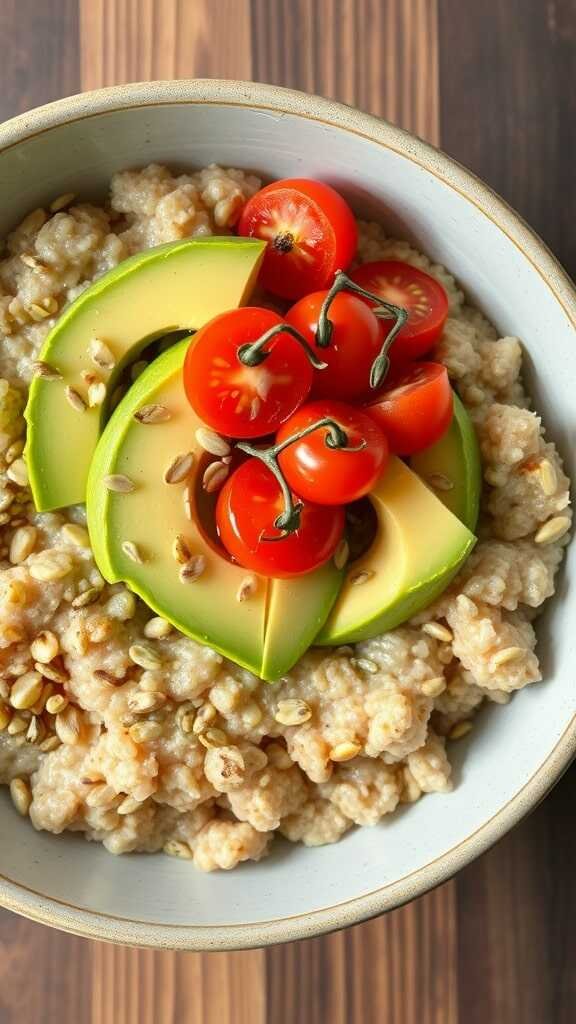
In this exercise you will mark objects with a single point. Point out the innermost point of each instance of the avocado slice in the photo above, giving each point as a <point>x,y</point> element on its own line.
<point>456,457</point>
<point>176,286</point>
<point>266,633</point>
<point>418,548</point>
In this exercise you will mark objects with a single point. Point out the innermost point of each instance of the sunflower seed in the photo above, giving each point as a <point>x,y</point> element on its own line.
<point>440,482</point>
<point>438,631</point>
<point>179,468</point>
<point>119,482</point>
<point>75,399</point>
<point>153,414</point>
<point>360,576</point>
<point>36,731</point>
<point>132,551</point>
<point>101,355</point>
<point>96,393</point>
<point>548,477</point>
<point>45,371</point>
<point>342,554</point>
<point>88,597</point>
<point>506,655</point>
<point>68,725</point>
<point>144,656</point>
<point>293,712</point>
<point>144,703</point>
<point>365,665</point>
<point>31,261</point>
<point>247,588</point>
<point>211,442</point>
<point>180,550</point>
<point>214,476</point>
<point>193,569</point>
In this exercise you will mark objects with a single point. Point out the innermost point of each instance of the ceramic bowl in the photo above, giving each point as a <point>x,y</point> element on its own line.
<point>516,752</point>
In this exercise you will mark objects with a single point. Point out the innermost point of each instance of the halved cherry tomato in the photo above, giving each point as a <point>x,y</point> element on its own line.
<point>423,297</point>
<point>238,400</point>
<point>416,408</point>
<point>310,230</point>
<point>327,475</point>
<point>247,507</point>
<point>356,339</point>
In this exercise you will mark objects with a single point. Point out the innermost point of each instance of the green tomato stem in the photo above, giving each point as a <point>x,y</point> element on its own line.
<point>253,354</point>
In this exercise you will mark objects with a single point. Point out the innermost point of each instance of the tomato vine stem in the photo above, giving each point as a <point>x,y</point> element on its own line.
<point>253,354</point>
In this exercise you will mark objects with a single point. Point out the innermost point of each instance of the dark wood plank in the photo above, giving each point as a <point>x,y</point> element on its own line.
<point>39,53</point>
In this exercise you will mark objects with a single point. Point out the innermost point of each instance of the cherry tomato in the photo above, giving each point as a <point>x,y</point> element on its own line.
<point>310,230</point>
<point>423,297</point>
<point>247,507</point>
<point>238,400</point>
<point>331,476</point>
<point>356,339</point>
<point>416,408</point>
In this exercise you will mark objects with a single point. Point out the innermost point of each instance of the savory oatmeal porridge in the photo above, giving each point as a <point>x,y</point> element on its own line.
<point>115,725</point>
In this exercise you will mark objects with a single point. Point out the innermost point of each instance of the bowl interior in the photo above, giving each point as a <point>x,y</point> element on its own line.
<point>409,193</point>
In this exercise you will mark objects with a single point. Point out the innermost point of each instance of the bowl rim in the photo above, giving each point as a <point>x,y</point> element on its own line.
<point>92,924</point>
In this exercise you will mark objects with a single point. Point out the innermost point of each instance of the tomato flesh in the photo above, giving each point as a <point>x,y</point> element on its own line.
<point>247,507</point>
<point>238,400</point>
<point>420,294</point>
<point>416,408</point>
<point>356,339</point>
<point>330,476</point>
<point>310,230</point>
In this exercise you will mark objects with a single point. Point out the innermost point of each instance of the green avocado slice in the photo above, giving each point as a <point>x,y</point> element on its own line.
<point>418,548</point>
<point>455,462</point>
<point>266,633</point>
<point>181,285</point>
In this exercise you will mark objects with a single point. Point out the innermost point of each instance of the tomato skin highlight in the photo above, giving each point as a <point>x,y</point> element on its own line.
<point>247,506</point>
<point>326,475</point>
<point>416,408</point>
<point>238,400</point>
<point>357,337</point>
<point>311,233</point>
<point>419,293</point>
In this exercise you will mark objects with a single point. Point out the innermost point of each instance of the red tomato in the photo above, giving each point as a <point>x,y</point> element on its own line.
<point>310,230</point>
<point>417,292</point>
<point>416,409</point>
<point>356,339</point>
<point>238,400</point>
<point>247,507</point>
<point>326,475</point>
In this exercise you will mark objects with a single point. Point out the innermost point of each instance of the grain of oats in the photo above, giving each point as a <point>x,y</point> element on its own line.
<point>88,597</point>
<point>36,731</point>
<point>344,752</point>
<point>433,687</point>
<point>459,730</point>
<point>100,795</point>
<point>293,712</point>
<point>37,313</point>
<point>68,725</point>
<point>128,806</point>
<point>132,551</point>
<point>144,732</point>
<point>56,704</point>
<point>26,691</point>
<point>101,355</point>
<point>204,717</point>
<point>212,442</point>
<point>75,399</point>
<point>32,262</point>
<point>214,476</point>
<point>120,483</point>
<point>17,725</point>
<point>45,371</point>
<point>5,715</point>
<point>193,569</point>
<point>179,468</point>
<point>72,533</point>
<point>51,672</point>
<point>107,677</point>
<point>142,703</point>
<point>438,632</point>
<point>13,451</point>
<point>507,655</point>
<point>50,744</point>
<point>153,413</point>
<point>121,606</point>
<point>174,848</point>
<point>247,588</point>
<point>180,551</point>
<point>18,473</point>
<point>342,554</point>
<point>144,656</point>
<point>360,576</point>
<point>152,681</point>
<point>44,647</point>
<point>213,738</point>
<point>21,796</point>
<point>440,482</point>
<point>548,477</point>
<point>96,394</point>
<point>157,628</point>
<point>553,530</point>
<point>22,544</point>
<point>62,201</point>
<point>39,706</point>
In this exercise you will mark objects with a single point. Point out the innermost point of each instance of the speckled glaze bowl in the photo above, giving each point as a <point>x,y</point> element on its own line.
<point>516,753</point>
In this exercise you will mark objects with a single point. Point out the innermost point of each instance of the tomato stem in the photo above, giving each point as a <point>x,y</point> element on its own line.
<point>336,438</point>
<point>383,310</point>
<point>253,354</point>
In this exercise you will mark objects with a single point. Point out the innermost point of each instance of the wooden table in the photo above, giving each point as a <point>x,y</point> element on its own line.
<point>492,82</point>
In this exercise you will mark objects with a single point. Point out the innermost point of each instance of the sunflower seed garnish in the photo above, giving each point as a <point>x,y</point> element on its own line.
<point>132,551</point>
<point>214,476</point>
<point>101,355</point>
<point>211,442</point>
<point>440,482</point>
<point>75,399</point>
<point>342,554</point>
<point>96,393</point>
<point>360,576</point>
<point>179,468</point>
<point>193,569</point>
<point>153,414</point>
<point>180,550</point>
<point>119,482</point>
<point>45,371</point>
<point>247,588</point>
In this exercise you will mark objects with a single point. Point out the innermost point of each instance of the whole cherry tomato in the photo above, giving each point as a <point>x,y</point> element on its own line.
<point>311,232</point>
<point>423,297</point>
<point>247,508</point>
<point>327,475</point>
<point>239,400</point>
<point>355,341</point>
<point>416,408</point>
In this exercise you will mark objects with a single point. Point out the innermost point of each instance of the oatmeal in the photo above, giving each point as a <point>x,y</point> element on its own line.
<point>115,725</point>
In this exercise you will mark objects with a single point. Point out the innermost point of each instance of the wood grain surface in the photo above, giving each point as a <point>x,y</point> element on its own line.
<point>492,82</point>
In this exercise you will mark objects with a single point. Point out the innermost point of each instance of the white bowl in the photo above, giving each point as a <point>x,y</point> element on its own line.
<point>517,752</point>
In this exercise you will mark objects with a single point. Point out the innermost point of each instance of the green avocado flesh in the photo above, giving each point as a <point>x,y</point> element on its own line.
<point>456,458</point>
<point>266,633</point>
<point>181,285</point>
<point>418,548</point>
